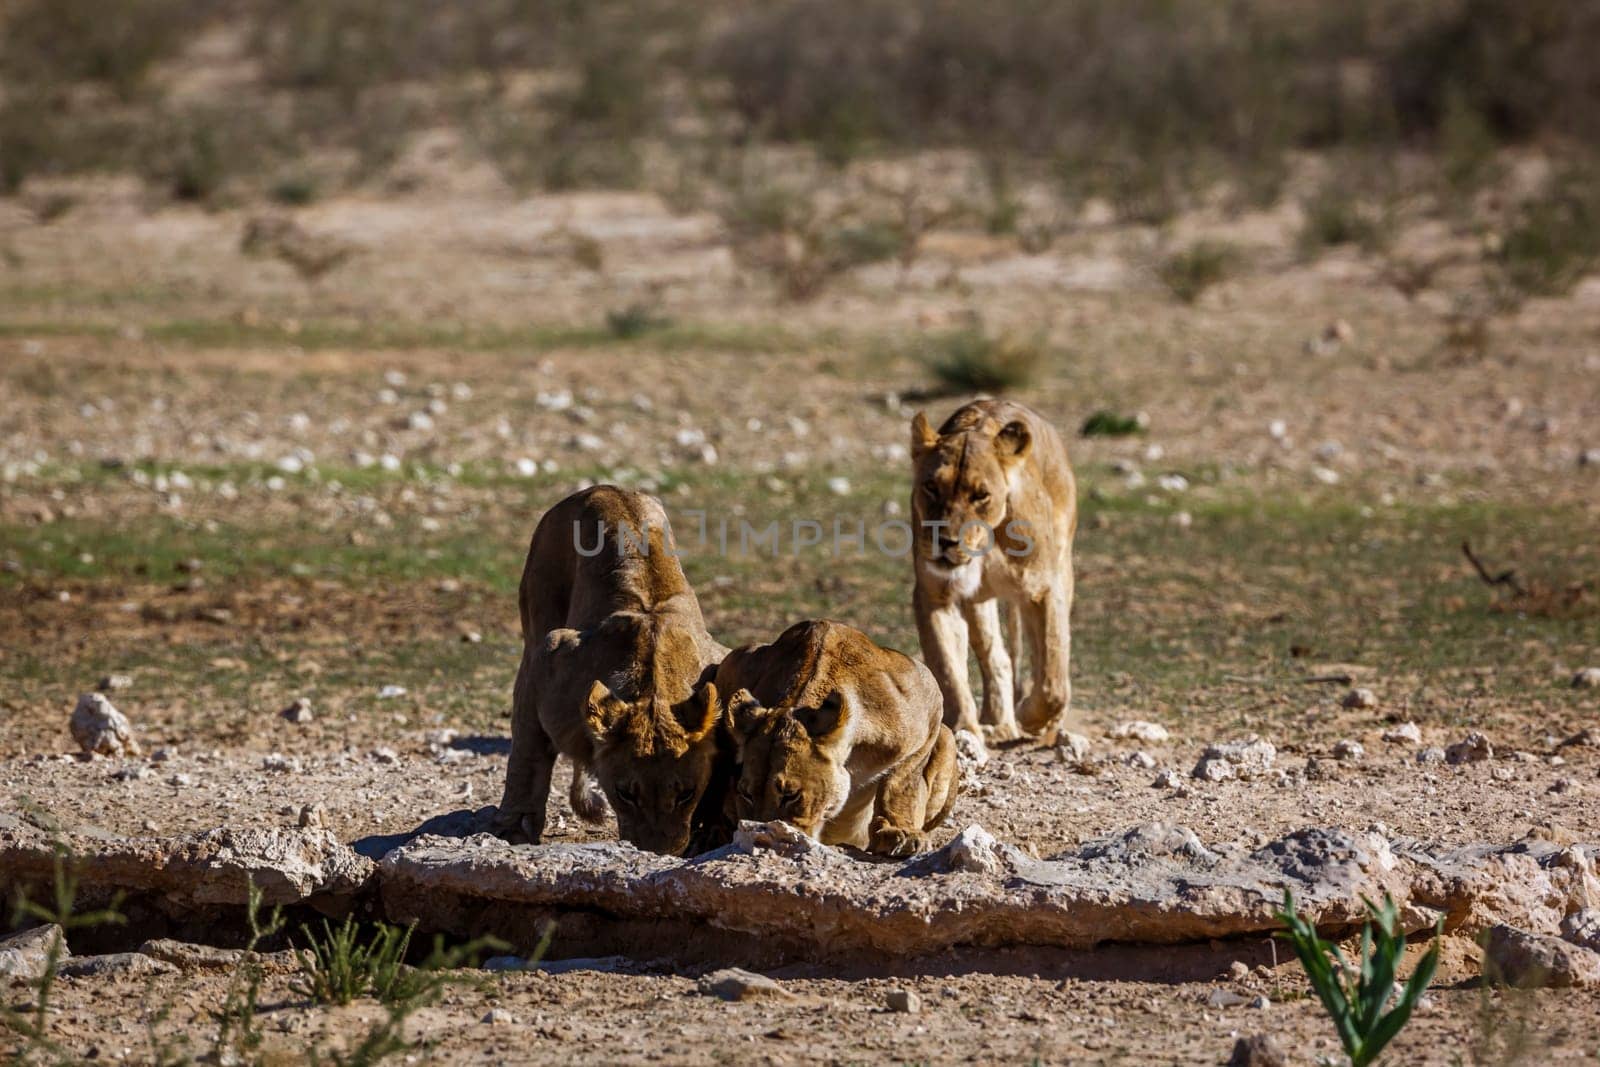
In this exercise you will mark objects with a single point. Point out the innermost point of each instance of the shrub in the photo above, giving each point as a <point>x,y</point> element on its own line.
<point>1554,239</point>
<point>1357,997</point>
<point>1104,423</point>
<point>339,966</point>
<point>54,41</point>
<point>1197,268</point>
<point>1336,217</point>
<point>967,361</point>
<point>634,320</point>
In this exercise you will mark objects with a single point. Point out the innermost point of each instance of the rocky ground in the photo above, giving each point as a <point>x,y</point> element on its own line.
<point>224,490</point>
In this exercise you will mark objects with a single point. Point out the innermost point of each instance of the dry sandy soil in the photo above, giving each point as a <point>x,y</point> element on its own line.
<point>235,489</point>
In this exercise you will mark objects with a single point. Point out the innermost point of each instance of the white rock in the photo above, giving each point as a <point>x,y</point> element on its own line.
<point>1406,733</point>
<point>1072,746</point>
<point>1142,760</point>
<point>25,955</point>
<point>499,1017</point>
<point>970,749</point>
<point>734,983</point>
<point>298,712</point>
<point>1349,751</point>
<point>839,486</point>
<point>975,849</point>
<point>904,1001</point>
<point>1140,730</point>
<point>1248,759</point>
<point>280,764</point>
<point>99,728</point>
<point>391,692</point>
<point>1168,779</point>
<point>1588,678</point>
<point>1360,698</point>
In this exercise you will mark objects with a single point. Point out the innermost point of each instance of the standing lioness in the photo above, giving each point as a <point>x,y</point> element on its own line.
<point>614,673</point>
<point>994,508</point>
<point>840,738</point>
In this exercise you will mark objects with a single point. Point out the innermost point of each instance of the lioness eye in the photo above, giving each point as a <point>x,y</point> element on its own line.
<point>979,496</point>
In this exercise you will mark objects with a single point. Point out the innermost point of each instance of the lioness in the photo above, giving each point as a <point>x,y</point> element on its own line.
<point>615,674</point>
<point>840,738</point>
<point>994,508</point>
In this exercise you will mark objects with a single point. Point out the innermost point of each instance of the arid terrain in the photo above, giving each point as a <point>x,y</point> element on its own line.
<point>226,487</point>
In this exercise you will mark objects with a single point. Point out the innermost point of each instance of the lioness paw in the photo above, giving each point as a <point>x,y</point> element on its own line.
<point>897,842</point>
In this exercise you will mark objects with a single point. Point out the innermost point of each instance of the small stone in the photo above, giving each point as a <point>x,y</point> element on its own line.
<point>1225,998</point>
<point>385,755</point>
<point>904,1001</point>
<point>313,816</point>
<point>499,1017</point>
<point>25,955</point>
<point>1406,733</point>
<point>1588,678</point>
<point>734,983</point>
<point>99,728</point>
<point>1168,780</point>
<point>970,749</point>
<point>131,964</point>
<point>1360,698</point>
<point>1530,961</point>
<point>1072,747</point>
<point>1247,759</point>
<point>976,851</point>
<point>391,692</point>
<point>278,763</point>
<point>1261,1002</point>
<point>839,486</point>
<point>1474,748</point>
<point>298,712</point>
<point>1258,1050</point>
<point>1431,755</point>
<point>1349,751</point>
<point>1583,928</point>
<point>1321,770</point>
<point>1141,760</point>
<point>1239,970</point>
<point>1150,733</point>
<point>113,682</point>
<point>471,637</point>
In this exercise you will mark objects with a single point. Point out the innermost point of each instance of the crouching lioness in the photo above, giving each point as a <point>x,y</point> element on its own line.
<point>840,738</point>
<point>614,674</point>
<point>995,509</point>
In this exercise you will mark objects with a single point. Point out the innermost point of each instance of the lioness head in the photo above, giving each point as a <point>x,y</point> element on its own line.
<point>961,477</point>
<point>791,760</point>
<point>653,759</point>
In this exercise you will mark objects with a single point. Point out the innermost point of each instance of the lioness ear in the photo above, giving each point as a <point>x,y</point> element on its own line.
<point>561,640</point>
<point>698,714</point>
<point>602,713</point>
<point>923,437</point>
<point>826,720</point>
<point>744,714</point>
<point>1013,440</point>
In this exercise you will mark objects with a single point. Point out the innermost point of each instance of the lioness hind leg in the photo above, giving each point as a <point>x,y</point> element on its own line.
<point>533,758</point>
<point>943,776</point>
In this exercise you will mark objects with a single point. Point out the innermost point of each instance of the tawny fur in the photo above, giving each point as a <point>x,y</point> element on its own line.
<point>839,737</point>
<point>998,466</point>
<point>615,675</point>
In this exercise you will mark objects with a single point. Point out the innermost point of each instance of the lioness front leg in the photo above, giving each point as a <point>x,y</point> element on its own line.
<point>528,770</point>
<point>994,662</point>
<point>1050,646</point>
<point>943,634</point>
<point>901,810</point>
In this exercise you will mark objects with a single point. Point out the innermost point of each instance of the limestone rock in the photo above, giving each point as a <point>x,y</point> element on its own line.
<point>211,867</point>
<point>1474,748</point>
<point>25,954</point>
<point>1583,928</point>
<point>1405,733</point>
<point>100,729</point>
<point>904,1001</point>
<point>1531,961</point>
<point>1073,747</point>
<point>1349,751</point>
<point>1360,698</point>
<point>1140,730</point>
<point>1258,1050</point>
<point>130,964</point>
<point>1588,678</point>
<point>1247,759</point>
<point>732,983</point>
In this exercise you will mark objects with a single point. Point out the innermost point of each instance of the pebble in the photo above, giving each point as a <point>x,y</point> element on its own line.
<point>1474,748</point>
<point>904,1001</point>
<point>1141,760</point>
<point>1588,678</point>
<point>391,692</point>
<point>1349,751</point>
<point>839,486</point>
<point>1140,730</point>
<point>385,755</point>
<point>1250,758</point>
<point>1072,747</point>
<point>100,729</point>
<point>113,682</point>
<point>1360,698</point>
<point>499,1017</point>
<point>1168,779</point>
<point>1431,755</point>
<point>298,712</point>
<point>734,983</point>
<point>1406,733</point>
<point>280,764</point>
